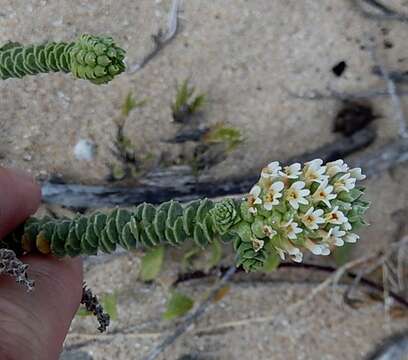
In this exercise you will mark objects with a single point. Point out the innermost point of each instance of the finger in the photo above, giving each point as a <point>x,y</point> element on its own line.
<point>19,198</point>
<point>36,323</point>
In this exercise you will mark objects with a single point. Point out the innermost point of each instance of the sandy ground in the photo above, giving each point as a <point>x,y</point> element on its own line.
<point>245,55</point>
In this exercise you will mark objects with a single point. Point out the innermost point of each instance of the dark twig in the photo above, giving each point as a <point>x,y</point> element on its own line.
<point>189,134</point>
<point>11,265</point>
<point>92,304</point>
<point>305,266</point>
<point>370,269</point>
<point>189,319</point>
<point>378,10</point>
<point>157,188</point>
<point>160,39</point>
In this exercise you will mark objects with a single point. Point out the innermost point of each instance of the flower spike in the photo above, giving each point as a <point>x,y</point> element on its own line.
<point>94,58</point>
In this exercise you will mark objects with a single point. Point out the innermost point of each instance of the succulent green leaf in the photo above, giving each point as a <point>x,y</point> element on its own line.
<point>216,254</point>
<point>109,304</point>
<point>177,306</point>
<point>152,264</point>
<point>271,263</point>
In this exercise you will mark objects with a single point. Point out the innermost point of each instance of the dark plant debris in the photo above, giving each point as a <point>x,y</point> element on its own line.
<point>339,68</point>
<point>188,134</point>
<point>92,305</point>
<point>353,116</point>
<point>11,265</point>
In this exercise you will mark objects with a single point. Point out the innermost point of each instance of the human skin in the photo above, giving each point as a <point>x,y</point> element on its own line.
<point>34,325</point>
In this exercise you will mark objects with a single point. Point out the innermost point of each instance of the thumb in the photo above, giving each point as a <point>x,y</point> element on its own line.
<point>19,198</point>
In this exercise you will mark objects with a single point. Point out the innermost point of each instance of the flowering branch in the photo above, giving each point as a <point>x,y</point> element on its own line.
<point>289,210</point>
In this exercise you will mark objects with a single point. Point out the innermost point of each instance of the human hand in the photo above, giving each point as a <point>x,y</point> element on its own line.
<point>34,325</point>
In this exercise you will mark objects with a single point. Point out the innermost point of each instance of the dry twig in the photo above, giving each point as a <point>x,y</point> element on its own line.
<point>160,39</point>
<point>172,183</point>
<point>381,261</point>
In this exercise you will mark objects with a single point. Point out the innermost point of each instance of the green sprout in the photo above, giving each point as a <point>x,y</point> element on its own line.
<point>186,102</point>
<point>124,149</point>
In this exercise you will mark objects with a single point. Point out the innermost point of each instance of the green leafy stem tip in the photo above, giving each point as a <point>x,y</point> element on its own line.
<point>290,209</point>
<point>94,58</point>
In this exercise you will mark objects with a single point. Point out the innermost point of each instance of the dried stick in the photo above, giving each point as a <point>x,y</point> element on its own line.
<point>166,184</point>
<point>160,39</point>
<point>183,327</point>
<point>381,261</point>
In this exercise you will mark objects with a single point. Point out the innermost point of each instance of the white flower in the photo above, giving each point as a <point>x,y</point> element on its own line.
<point>356,173</point>
<point>336,217</point>
<point>292,229</point>
<point>312,218</point>
<point>272,170</point>
<point>346,226</point>
<point>273,194</point>
<point>295,194</point>
<point>351,238</point>
<point>281,253</point>
<point>269,232</point>
<point>313,248</point>
<point>317,249</point>
<point>336,236</point>
<point>325,249</point>
<point>291,172</point>
<point>325,235</point>
<point>344,183</point>
<point>257,244</point>
<point>324,193</point>
<point>294,252</point>
<point>314,171</point>
<point>254,199</point>
<point>297,257</point>
<point>335,167</point>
